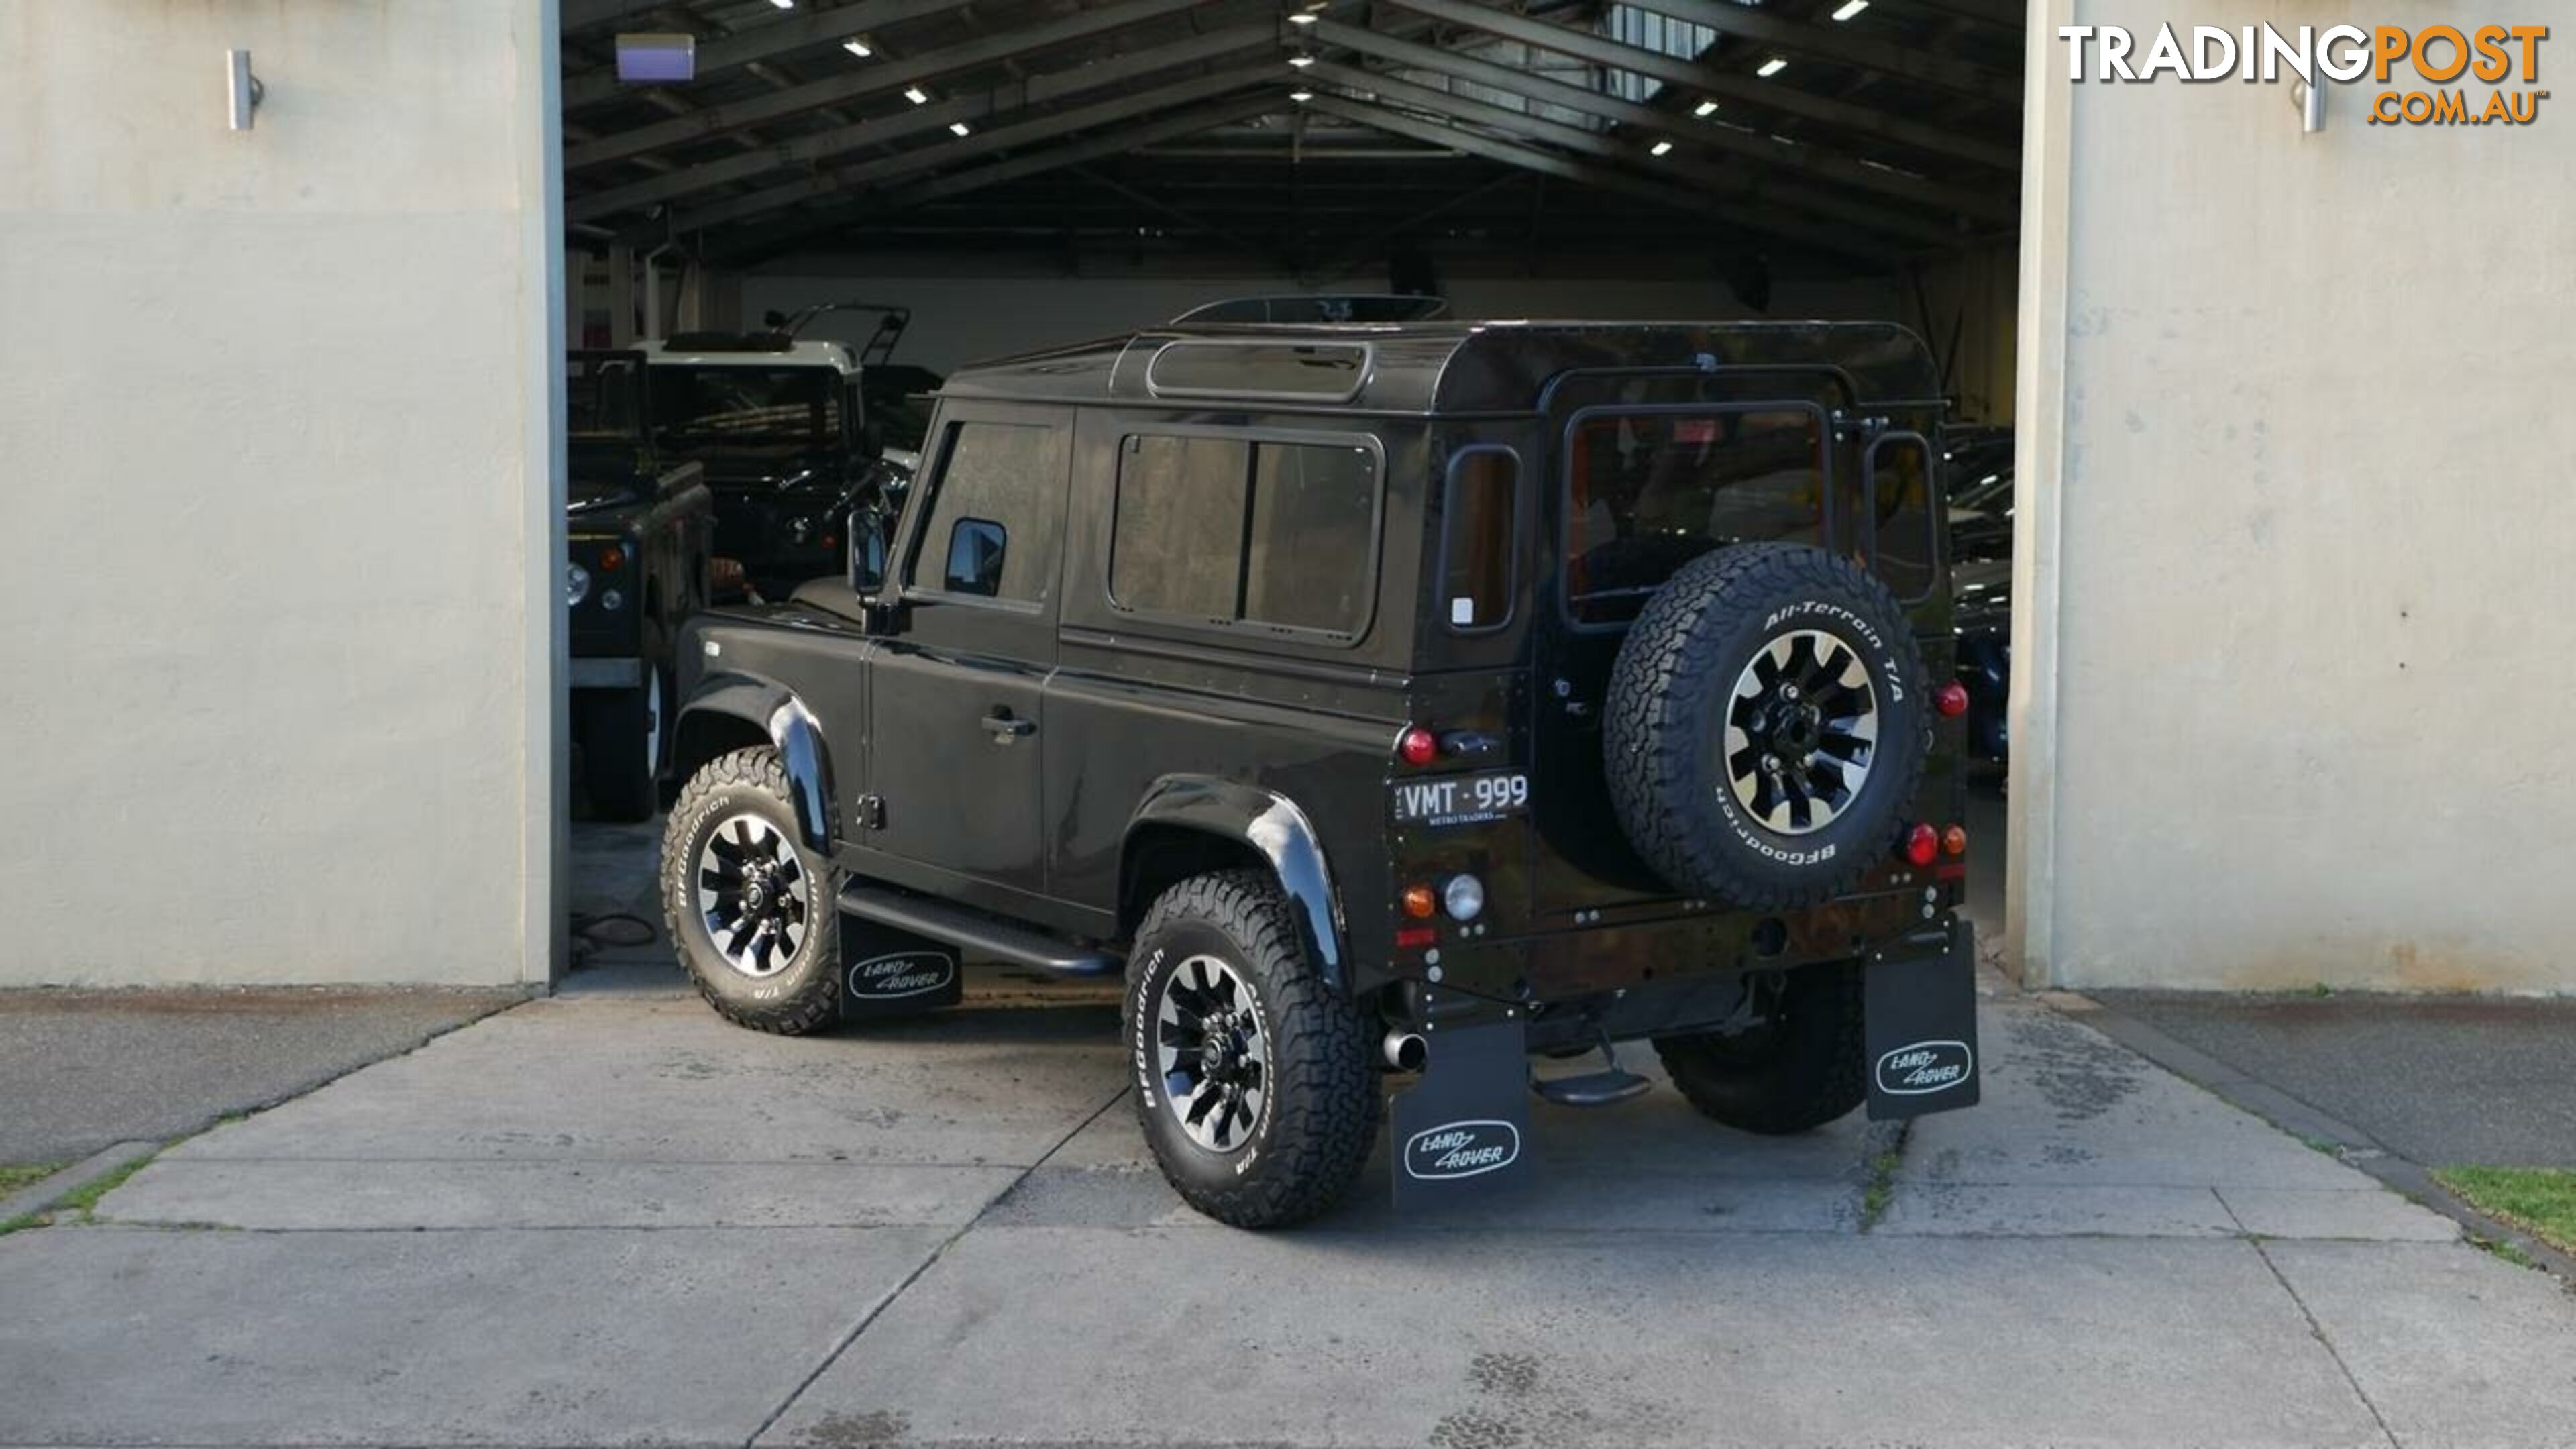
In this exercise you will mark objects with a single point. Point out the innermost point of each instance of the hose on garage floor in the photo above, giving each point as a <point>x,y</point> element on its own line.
<point>593,934</point>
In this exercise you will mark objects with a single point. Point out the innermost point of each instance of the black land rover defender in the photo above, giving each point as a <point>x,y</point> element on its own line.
<point>639,531</point>
<point>1392,705</point>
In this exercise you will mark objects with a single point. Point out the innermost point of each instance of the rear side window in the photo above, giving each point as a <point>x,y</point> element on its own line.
<point>1476,540</point>
<point>1892,525</point>
<point>997,486</point>
<point>1247,532</point>
<point>1649,491</point>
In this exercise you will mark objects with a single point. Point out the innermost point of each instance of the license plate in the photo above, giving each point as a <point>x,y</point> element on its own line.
<point>1461,799</point>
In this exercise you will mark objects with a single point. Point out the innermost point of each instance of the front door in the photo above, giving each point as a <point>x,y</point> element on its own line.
<point>956,695</point>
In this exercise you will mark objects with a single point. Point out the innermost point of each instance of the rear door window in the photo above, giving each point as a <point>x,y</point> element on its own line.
<point>1649,490</point>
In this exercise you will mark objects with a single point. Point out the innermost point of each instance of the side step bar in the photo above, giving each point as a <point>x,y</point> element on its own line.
<point>975,933</point>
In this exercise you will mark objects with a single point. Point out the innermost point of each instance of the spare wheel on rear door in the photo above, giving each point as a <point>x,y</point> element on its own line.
<point>1765,726</point>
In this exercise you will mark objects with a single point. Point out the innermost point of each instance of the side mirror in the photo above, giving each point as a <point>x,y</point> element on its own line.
<point>871,546</point>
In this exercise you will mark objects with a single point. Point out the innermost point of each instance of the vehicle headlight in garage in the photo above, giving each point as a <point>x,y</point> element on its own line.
<point>576,583</point>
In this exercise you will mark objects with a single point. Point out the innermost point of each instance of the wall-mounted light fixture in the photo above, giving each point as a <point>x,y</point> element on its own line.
<point>242,90</point>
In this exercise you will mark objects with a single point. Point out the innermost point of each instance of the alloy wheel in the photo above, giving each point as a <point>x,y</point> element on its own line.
<point>754,895</point>
<point>1801,730</point>
<point>1212,1052</point>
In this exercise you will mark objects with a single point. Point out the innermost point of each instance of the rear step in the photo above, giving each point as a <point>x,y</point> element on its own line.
<point>974,933</point>
<point>1593,1089</point>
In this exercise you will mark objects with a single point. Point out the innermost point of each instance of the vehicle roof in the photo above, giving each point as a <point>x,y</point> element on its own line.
<point>783,353</point>
<point>1445,367</point>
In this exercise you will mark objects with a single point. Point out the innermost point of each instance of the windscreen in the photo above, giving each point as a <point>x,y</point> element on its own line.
<point>747,405</point>
<point>601,399</point>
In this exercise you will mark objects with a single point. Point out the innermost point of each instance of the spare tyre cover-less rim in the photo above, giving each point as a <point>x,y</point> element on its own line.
<point>1765,726</point>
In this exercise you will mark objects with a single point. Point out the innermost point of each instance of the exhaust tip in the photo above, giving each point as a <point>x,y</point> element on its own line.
<point>1406,1052</point>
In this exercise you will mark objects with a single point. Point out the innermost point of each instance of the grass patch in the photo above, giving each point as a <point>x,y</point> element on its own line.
<point>1880,1190</point>
<point>15,1175</point>
<point>83,1200</point>
<point>2539,1200</point>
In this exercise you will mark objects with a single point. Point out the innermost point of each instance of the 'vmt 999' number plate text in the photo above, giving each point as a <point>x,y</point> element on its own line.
<point>1461,799</point>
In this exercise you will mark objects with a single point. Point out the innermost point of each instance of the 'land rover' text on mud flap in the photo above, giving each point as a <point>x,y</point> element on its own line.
<point>1921,1030</point>
<point>886,971</point>
<point>1462,1128</point>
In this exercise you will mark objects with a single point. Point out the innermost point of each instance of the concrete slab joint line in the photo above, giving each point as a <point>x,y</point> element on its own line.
<point>2318,1331</point>
<point>930,1261</point>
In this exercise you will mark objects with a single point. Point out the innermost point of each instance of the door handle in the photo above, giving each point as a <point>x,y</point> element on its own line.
<point>1004,729</point>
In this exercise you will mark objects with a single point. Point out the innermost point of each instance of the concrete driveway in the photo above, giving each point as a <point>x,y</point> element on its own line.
<point>609,1218</point>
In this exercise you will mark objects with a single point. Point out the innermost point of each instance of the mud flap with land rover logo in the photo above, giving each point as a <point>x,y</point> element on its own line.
<point>890,972</point>
<point>1462,1129</point>
<point>1921,1030</point>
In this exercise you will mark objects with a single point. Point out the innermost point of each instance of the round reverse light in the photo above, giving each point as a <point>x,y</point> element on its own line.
<point>1922,843</point>
<point>576,583</point>
<point>1417,746</point>
<point>1463,898</point>
<point>1951,699</point>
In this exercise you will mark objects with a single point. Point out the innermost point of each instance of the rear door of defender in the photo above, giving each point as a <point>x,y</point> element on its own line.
<point>1649,470</point>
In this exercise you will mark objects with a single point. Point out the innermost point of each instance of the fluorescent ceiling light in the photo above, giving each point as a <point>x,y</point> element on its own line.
<point>1301,18</point>
<point>916,95</point>
<point>1660,148</point>
<point>1704,109</point>
<point>1301,95</point>
<point>1851,8</point>
<point>1301,61</point>
<point>957,127</point>
<point>858,45</point>
<point>1772,67</point>
<point>784,4</point>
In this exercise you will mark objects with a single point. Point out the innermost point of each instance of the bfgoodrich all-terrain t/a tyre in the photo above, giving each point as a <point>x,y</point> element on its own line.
<point>1765,726</point>
<point>1802,1067</point>
<point>1255,1084</point>
<point>753,912</point>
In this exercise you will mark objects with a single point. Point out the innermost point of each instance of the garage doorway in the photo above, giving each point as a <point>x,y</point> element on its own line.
<point>900,186</point>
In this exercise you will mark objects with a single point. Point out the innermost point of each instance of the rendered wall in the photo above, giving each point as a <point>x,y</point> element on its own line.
<point>277,610</point>
<point>2293,598</point>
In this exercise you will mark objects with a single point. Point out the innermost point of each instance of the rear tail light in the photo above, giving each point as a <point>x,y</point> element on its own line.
<point>1951,699</point>
<point>611,558</point>
<point>1922,844</point>
<point>1410,938</point>
<point>1420,902</point>
<point>1954,841</point>
<point>1417,746</point>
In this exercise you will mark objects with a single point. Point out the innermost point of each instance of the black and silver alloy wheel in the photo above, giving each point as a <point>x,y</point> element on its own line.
<point>1212,1052</point>
<point>754,895</point>
<point>1801,730</point>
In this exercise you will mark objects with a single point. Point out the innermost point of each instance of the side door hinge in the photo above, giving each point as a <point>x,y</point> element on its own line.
<point>872,812</point>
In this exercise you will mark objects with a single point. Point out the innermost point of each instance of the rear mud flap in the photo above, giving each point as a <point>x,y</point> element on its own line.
<point>1921,1030</point>
<point>886,972</point>
<point>1462,1129</point>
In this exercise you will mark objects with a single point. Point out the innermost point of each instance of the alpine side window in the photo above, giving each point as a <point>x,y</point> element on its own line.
<point>1246,532</point>
<point>998,480</point>
<point>1649,490</point>
<point>1476,553</point>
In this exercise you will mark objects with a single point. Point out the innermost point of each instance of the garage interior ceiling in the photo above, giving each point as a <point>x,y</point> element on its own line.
<point>1713,128</point>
